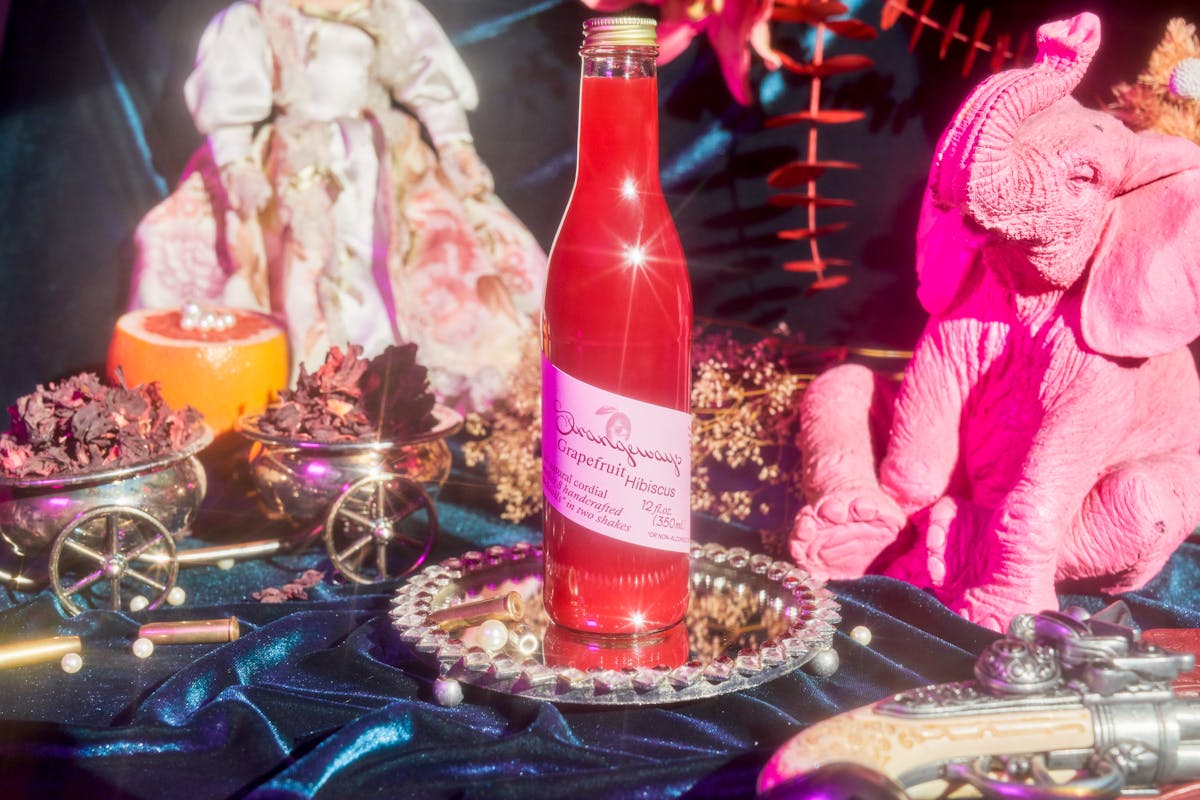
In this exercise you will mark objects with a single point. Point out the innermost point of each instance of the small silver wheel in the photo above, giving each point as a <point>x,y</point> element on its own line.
<point>94,556</point>
<point>381,527</point>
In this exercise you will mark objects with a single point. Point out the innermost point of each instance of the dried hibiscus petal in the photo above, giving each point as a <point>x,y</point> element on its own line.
<point>81,424</point>
<point>349,398</point>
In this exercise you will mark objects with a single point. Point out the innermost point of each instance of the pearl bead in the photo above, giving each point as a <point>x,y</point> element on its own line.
<point>226,564</point>
<point>861,634</point>
<point>71,663</point>
<point>447,691</point>
<point>138,603</point>
<point>824,663</point>
<point>177,596</point>
<point>493,635</point>
<point>143,647</point>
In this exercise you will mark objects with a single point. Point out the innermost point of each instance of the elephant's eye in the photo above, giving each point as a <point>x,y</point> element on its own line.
<point>1084,173</point>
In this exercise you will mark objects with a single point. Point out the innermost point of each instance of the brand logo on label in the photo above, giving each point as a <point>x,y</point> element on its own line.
<point>618,432</point>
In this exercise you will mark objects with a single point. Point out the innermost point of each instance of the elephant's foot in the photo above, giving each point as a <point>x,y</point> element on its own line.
<point>924,565</point>
<point>994,606</point>
<point>950,556</point>
<point>843,533</point>
<point>1131,523</point>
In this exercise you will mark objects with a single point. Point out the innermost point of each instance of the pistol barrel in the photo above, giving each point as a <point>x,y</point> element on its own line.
<point>1159,736</point>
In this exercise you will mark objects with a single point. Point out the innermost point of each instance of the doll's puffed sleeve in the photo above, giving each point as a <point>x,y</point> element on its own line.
<point>230,88</point>
<point>430,77</point>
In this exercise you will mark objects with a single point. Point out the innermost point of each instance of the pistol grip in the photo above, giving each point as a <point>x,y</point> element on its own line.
<point>912,750</point>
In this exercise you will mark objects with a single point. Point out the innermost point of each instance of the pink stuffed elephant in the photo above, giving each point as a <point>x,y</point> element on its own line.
<point>1047,430</point>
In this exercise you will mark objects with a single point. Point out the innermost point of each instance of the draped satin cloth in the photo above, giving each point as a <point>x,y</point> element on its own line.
<point>318,698</point>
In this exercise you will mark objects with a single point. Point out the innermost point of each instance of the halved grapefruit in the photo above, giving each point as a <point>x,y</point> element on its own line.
<point>223,373</point>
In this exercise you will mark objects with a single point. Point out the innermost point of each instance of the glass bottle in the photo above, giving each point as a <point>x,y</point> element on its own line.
<point>616,351</point>
<point>562,647</point>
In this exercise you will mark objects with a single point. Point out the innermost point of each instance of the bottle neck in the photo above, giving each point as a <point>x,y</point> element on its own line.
<point>618,114</point>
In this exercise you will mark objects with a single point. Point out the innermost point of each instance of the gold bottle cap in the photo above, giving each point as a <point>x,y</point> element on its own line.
<point>629,31</point>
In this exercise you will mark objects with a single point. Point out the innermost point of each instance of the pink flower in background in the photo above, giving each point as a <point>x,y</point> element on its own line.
<point>730,26</point>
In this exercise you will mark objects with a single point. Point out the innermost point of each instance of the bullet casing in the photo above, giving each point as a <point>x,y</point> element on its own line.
<point>35,651</point>
<point>191,631</point>
<point>506,608</point>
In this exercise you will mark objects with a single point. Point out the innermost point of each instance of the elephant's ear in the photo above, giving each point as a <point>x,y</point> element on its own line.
<point>947,249</point>
<point>1143,294</point>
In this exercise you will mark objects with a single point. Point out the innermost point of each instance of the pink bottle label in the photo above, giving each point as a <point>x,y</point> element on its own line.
<point>615,465</point>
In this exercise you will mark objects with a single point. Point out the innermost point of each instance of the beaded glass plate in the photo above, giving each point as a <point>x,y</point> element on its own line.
<point>751,619</point>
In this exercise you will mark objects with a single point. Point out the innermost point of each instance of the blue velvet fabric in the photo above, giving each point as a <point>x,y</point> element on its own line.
<point>316,699</point>
<point>319,699</point>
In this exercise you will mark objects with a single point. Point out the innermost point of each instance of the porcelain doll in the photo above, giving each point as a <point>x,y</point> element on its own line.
<point>318,196</point>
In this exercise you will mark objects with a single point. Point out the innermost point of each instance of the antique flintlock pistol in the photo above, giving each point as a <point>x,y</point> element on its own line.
<point>1066,705</point>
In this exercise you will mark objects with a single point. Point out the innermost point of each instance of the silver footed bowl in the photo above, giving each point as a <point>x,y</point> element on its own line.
<point>298,479</point>
<point>168,488</point>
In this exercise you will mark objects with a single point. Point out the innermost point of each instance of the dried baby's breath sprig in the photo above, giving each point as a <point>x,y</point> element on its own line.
<point>507,441</point>
<point>745,391</point>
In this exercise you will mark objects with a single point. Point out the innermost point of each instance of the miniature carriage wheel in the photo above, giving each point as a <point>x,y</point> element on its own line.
<point>381,527</point>
<point>107,550</point>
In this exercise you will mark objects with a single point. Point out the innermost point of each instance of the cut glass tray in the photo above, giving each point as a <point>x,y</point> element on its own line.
<point>751,619</point>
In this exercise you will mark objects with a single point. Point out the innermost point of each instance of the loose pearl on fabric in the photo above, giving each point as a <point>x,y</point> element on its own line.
<point>861,634</point>
<point>71,663</point>
<point>138,603</point>
<point>177,596</point>
<point>824,663</point>
<point>143,647</point>
<point>447,691</point>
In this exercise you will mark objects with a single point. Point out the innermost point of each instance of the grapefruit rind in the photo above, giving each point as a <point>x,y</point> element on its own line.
<point>223,374</point>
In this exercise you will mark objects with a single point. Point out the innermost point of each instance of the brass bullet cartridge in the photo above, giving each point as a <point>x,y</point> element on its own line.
<point>191,631</point>
<point>35,651</point>
<point>506,608</point>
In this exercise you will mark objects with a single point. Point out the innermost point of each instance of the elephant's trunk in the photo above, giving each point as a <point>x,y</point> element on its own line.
<point>974,167</point>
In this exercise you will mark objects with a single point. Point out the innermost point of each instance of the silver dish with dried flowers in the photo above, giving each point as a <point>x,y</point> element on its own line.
<point>100,480</point>
<point>355,454</point>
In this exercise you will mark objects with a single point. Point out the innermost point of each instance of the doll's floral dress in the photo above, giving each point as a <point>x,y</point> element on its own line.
<point>364,239</point>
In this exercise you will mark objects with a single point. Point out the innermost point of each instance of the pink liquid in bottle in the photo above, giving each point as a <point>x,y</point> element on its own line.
<point>617,318</point>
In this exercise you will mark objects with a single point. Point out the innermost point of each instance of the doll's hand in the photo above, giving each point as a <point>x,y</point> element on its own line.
<point>469,176</point>
<point>246,186</point>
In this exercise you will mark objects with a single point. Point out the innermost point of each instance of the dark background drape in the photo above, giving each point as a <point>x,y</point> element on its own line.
<point>93,132</point>
<point>316,699</point>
